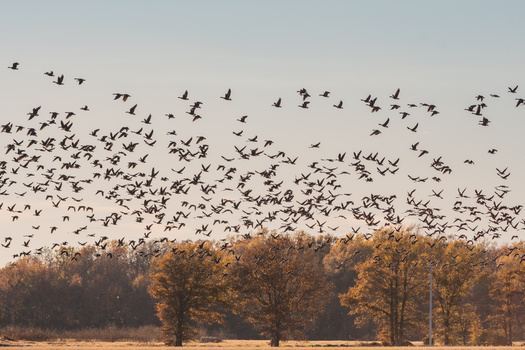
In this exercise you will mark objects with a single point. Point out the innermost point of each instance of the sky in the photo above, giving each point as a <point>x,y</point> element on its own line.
<point>441,52</point>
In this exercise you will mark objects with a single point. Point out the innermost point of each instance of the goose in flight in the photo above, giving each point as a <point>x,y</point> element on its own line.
<point>227,96</point>
<point>132,110</point>
<point>184,95</point>
<point>484,122</point>
<point>60,80</point>
<point>14,66</point>
<point>395,96</point>
<point>414,129</point>
<point>305,104</point>
<point>278,103</point>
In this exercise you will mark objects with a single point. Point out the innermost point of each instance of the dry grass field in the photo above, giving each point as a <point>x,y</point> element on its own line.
<point>224,345</point>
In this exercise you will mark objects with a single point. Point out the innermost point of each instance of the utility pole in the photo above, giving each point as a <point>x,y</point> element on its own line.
<point>430,311</point>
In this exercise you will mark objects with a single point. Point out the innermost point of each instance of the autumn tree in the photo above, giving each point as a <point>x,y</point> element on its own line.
<point>71,288</point>
<point>340,264</point>
<point>24,286</point>
<point>190,286</point>
<point>280,284</point>
<point>507,290</point>
<point>455,269</point>
<point>390,286</point>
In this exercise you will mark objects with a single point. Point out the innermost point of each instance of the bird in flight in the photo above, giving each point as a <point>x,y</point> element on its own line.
<point>484,122</point>
<point>184,95</point>
<point>340,105</point>
<point>305,104</point>
<point>14,66</point>
<point>385,124</point>
<point>132,110</point>
<point>395,96</point>
<point>227,96</point>
<point>60,80</point>
<point>413,129</point>
<point>278,103</point>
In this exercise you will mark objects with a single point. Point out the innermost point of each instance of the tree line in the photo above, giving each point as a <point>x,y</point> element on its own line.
<point>278,287</point>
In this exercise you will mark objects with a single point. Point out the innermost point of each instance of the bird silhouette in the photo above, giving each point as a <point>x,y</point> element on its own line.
<point>184,95</point>
<point>227,96</point>
<point>395,96</point>
<point>132,110</point>
<point>304,104</point>
<point>414,128</point>
<point>60,80</point>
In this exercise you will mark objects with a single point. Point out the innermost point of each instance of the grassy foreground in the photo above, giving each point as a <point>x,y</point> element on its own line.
<point>224,345</point>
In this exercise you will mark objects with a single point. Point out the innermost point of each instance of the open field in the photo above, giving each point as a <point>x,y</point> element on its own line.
<point>225,345</point>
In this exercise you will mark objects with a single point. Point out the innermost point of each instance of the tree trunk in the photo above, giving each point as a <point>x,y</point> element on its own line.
<point>180,323</point>
<point>446,329</point>
<point>178,340</point>
<point>276,332</point>
<point>275,340</point>
<point>509,339</point>
<point>391,316</point>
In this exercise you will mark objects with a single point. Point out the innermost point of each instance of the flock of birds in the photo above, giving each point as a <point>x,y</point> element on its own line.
<point>87,184</point>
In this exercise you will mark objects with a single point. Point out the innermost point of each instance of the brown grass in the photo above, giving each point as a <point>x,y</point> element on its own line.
<point>141,335</point>
<point>225,345</point>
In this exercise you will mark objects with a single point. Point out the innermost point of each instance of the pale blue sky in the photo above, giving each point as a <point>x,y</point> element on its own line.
<point>440,52</point>
<point>386,35</point>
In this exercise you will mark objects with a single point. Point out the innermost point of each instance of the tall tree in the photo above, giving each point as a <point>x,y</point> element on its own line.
<point>280,284</point>
<point>507,290</point>
<point>390,286</point>
<point>340,265</point>
<point>455,268</point>
<point>190,285</point>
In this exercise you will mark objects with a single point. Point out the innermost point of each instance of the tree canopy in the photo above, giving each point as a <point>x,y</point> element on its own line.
<point>280,285</point>
<point>190,286</point>
<point>390,285</point>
